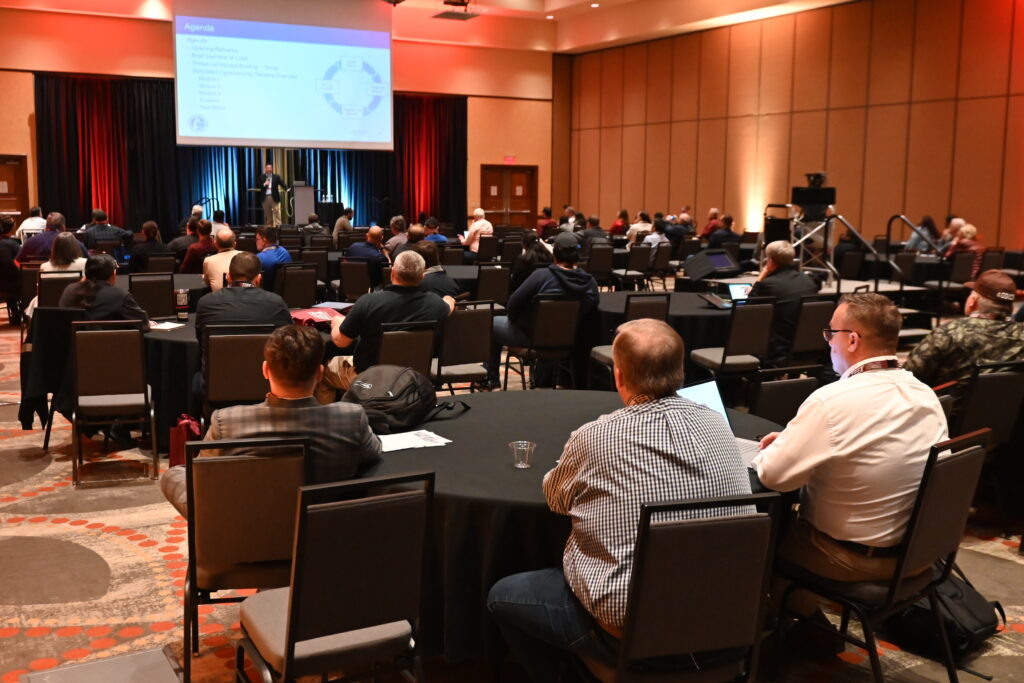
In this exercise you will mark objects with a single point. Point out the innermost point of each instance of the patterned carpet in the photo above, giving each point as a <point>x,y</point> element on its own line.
<point>98,572</point>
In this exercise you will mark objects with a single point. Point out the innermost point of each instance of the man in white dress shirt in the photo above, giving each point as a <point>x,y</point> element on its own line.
<point>35,223</point>
<point>858,448</point>
<point>477,229</point>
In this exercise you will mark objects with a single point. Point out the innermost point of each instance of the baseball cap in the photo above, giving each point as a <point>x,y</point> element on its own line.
<point>995,285</point>
<point>567,240</point>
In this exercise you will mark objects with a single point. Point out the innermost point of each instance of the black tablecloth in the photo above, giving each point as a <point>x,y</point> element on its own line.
<point>490,518</point>
<point>172,358</point>
<point>926,267</point>
<point>193,282</point>
<point>696,321</point>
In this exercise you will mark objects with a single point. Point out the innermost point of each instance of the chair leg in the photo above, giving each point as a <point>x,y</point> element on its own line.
<point>505,387</point>
<point>845,621</point>
<point>186,644</point>
<point>152,444</point>
<point>76,450</point>
<point>947,652</point>
<point>49,423</point>
<point>871,647</point>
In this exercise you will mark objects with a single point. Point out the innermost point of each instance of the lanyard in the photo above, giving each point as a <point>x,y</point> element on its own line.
<point>888,364</point>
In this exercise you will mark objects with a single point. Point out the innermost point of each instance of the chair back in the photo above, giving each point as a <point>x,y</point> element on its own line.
<point>452,256</point>
<point>246,244</point>
<point>466,334</point>
<point>600,261</point>
<point>849,266</point>
<point>28,282</point>
<point>241,504</point>
<point>165,263</point>
<point>939,515</point>
<point>290,242</point>
<point>50,339</point>
<point>733,249</point>
<point>109,358</point>
<point>52,285</point>
<point>492,284</point>
<point>408,345</point>
<point>318,257</point>
<point>686,249</point>
<point>993,400</point>
<point>961,266</point>
<point>662,255</point>
<point>814,315</point>
<point>715,570</point>
<point>487,250</point>
<point>297,284</point>
<point>653,306</point>
<point>355,278</point>
<point>750,327</point>
<point>639,258</point>
<point>385,275</point>
<point>554,323</point>
<point>880,244</point>
<point>107,246</point>
<point>905,261</point>
<point>511,248</point>
<point>778,399</point>
<point>992,259</point>
<point>347,239</point>
<point>234,362</point>
<point>154,292</point>
<point>320,242</point>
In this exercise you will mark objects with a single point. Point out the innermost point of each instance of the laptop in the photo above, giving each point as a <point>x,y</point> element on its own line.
<point>735,292</point>
<point>707,394</point>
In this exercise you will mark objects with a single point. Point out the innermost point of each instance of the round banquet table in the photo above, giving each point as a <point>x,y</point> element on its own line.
<point>699,323</point>
<point>193,282</point>
<point>490,519</point>
<point>172,358</point>
<point>926,267</point>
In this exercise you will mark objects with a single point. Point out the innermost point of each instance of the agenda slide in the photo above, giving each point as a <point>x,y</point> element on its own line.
<point>270,84</point>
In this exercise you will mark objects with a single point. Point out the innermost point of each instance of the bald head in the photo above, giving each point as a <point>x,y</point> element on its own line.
<point>375,235</point>
<point>225,239</point>
<point>648,358</point>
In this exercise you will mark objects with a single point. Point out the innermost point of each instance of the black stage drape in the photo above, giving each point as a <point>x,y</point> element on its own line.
<point>109,143</point>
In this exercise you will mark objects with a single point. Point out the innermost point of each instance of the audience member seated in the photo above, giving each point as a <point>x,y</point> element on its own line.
<point>99,297</point>
<point>545,221</point>
<point>656,238</point>
<point>535,254</point>
<point>64,256</point>
<point>621,223</point>
<point>478,228</point>
<point>219,222</point>
<point>780,279</point>
<point>151,246</point>
<point>399,235</point>
<point>858,448</point>
<point>271,254</point>
<point>593,234</point>
<point>196,215</point>
<point>570,217</point>
<point>659,447</point>
<point>40,246</point>
<point>343,224</point>
<point>680,229</point>
<point>198,251</point>
<point>312,226</point>
<point>10,282</point>
<point>35,221</point>
<point>919,239</point>
<point>847,242</point>
<point>179,245</point>
<point>371,251</point>
<point>341,443</point>
<point>431,227</point>
<point>953,225</point>
<point>242,302</point>
<point>642,224</point>
<point>413,235</point>
<point>967,240</point>
<point>434,278</point>
<point>100,230</point>
<point>216,266</point>
<point>401,302</point>
<point>723,235</point>
<point>560,278</point>
<point>712,224</point>
<point>986,333</point>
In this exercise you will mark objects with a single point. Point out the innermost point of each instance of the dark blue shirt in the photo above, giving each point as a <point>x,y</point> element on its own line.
<point>436,237</point>
<point>270,259</point>
<point>41,245</point>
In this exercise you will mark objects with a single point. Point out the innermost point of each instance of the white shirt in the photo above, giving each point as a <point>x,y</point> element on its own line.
<point>638,228</point>
<point>78,264</point>
<point>215,266</point>
<point>32,222</point>
<point>858,447</point>
<point>478,228</point>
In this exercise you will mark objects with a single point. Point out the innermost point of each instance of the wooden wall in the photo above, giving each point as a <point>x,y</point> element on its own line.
<point>911,106</point>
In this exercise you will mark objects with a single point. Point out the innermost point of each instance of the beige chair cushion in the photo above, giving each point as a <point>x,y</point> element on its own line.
<point>111,404</point>
<point>712,358</point>
<point>466,372</point>
<point>244,575</point>
<point>602,354</point>
<point>935,284</point>
<point>622,272</point>
<point>265,620</point>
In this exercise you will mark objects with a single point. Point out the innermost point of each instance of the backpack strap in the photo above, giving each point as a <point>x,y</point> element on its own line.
<point>448,408</point>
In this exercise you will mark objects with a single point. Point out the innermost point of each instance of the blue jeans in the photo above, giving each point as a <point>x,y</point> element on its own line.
<point>541,621</point>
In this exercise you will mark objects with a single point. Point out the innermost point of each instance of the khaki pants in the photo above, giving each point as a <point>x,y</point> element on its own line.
<point>338,375</point>
<point>807,547</point>
<point>271,211</point>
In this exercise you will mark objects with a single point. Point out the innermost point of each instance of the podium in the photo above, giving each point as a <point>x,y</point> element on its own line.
<point>305,203</point>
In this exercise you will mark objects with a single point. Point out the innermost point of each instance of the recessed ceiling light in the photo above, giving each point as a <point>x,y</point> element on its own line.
<point>550,16</point>
<point>595,4</point>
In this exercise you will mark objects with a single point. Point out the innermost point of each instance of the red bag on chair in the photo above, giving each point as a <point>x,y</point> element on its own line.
<point>187,429</point>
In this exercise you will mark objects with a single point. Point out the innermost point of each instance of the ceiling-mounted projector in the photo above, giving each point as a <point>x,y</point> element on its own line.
<point>458,16</point>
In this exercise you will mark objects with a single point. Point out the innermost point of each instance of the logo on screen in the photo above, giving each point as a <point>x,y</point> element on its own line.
<point>197,123</point>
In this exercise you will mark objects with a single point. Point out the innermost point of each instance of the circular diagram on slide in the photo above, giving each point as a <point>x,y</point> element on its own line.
<point>352,87</point>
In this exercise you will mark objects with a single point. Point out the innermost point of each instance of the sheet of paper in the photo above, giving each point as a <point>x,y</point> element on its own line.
<point>166,326</point>
<point>418,439</point>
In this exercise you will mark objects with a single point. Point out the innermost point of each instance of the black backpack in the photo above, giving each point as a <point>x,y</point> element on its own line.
<point>396,399</point>
<point>969,617</point>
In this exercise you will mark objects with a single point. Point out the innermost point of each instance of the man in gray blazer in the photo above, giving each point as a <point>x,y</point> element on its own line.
<point>341,443</point>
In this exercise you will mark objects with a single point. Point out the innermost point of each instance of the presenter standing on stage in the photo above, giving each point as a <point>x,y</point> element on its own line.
<point>272,196</point>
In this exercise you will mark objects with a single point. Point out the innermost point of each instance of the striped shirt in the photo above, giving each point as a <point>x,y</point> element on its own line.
<point>665,450</point>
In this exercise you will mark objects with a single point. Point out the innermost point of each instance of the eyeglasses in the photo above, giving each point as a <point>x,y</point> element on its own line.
<point>828,333</point>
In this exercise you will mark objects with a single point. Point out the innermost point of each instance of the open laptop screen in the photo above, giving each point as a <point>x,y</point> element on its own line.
<point>739,291</point>
<point>706,394</point>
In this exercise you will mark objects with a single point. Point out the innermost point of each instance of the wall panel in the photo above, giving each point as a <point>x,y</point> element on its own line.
<point>658,156</point>
<point>812,53</point>
<point>744,68</point>
<point>978,164</point>
<point>683,173</point>
<point>590,91</point>
<point>844,159</point>
<point>610,188</point>
<point>574,173</point>
<point>776,87</point>
<point>885,164</point>
<point>634,89</point>
<point>936,49</point>
<point>611,88</point>
<point>806,146</point>
<point>930,159</point>
<point>985,48</point>
<point>771,164</point>
<point>633,150</point>
<point>1017,56</point>
<point>740,161</point>
<point>590,168</point>
<point>892,51</point>
<point>710,165</point>
<point>659,81</point>
<point>686,76</point>
<point>851,37</point>
<point>714,73</point>
<point>1012,231</point>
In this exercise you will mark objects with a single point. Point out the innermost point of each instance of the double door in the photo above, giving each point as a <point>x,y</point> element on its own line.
<point>509,195</point>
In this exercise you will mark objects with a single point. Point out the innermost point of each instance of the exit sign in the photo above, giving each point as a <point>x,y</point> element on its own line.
<point>509,160</point>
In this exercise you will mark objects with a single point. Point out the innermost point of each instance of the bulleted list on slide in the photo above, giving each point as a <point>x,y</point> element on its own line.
<point>253,80</point>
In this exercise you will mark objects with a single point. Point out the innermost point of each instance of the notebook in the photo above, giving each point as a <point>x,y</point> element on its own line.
<point>707,394</point>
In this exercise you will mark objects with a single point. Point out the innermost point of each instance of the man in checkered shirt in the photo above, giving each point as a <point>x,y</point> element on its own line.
<point>659,447</point>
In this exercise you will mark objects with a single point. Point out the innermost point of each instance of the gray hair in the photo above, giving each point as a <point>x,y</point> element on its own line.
<point>225,238</point>
<point>781,253</point>
<point>408,268</point>
<point>478,213</point>
<point>968,232</point>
